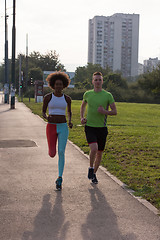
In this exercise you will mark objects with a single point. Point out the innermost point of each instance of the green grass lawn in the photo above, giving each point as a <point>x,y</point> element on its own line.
<point>132,151</point>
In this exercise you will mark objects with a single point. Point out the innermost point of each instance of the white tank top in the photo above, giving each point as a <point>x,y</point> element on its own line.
<point>57,105</point>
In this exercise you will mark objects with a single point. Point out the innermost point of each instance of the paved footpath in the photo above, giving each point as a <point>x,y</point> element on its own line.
<point>31,208</point>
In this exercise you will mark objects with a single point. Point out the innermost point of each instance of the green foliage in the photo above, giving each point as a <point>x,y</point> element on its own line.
<point>48,62</point>
<point>150,82</point>
<point>2,74</point>
<point>30,92</point>
<point>84,74</point>
<point>46,90</point>
<point>117,85</point>
<point>37,63</point>
<point>36,74</point>
<point>145,90</point>
<point>75,94</point>
<point>117,80</point>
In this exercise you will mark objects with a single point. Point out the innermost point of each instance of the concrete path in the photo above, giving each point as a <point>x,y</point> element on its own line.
<point>31,208</point>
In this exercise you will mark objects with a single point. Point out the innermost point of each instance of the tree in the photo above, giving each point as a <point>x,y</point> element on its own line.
<point>2,74</point>
<point>36,74</point>
<point>151,81</point>
<point>37,63</point>
<point>83,74</point>
<point>48,62</point>
<point>117,79</point>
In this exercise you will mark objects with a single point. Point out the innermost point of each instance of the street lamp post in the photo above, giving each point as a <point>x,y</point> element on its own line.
<point>13,58</point>
<point>26,79</point>
<point>6,85</point>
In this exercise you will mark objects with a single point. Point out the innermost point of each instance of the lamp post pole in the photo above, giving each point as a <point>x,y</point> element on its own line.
<point>26,79</point>
<point>6,85</point>
<point>13,58</point>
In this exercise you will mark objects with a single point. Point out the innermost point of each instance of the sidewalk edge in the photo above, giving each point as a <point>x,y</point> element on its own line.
<point>123,185</point>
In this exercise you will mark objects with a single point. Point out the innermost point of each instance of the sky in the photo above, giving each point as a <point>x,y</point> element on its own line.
<point>63,26</point>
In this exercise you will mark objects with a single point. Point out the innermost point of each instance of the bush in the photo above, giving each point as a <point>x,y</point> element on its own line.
<point>133,94</point>
<point>75,94</point>
<point>29,92</point>
<point>46,90</point>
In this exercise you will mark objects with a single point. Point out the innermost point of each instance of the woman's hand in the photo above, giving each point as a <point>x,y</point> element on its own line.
<point>45,116</point>
<point>70,125</point>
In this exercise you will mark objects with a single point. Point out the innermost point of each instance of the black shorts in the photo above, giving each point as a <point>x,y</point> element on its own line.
<point>96,135</point>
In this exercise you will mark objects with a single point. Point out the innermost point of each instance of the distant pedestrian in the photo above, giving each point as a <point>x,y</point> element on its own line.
<point>96,131</point>
<point>56,102</point>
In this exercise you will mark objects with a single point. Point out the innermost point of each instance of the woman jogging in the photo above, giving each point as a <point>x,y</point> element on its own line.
<point>57,128</point>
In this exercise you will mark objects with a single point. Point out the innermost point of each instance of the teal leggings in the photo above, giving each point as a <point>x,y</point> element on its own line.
<point>60,131</point>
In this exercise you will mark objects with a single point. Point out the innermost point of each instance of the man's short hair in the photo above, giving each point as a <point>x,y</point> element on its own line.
<point>97,73</point>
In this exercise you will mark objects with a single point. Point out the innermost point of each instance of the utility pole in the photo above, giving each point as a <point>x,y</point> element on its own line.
<point>13,57</point>
<point>26,78</point>
<point>6,85</point>
<point>20,75</point>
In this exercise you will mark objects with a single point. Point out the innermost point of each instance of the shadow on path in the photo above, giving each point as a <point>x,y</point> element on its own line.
<point>49,224</point>
<point>101,222</point>
<point>7,110</point>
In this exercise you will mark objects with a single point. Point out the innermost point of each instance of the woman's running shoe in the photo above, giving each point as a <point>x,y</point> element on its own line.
<point>59,183</point>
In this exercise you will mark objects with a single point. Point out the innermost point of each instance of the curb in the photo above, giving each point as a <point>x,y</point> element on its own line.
<point>123,185</point>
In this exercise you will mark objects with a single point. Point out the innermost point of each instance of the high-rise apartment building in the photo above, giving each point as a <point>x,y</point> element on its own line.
<point>113,42</point>
<point>151,64</point>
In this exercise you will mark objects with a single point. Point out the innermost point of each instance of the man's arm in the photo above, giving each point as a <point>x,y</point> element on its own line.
<point>113,110</point>
<point>83,107</point>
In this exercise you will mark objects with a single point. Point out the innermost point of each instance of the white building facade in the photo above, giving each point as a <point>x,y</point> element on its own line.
<point>113,41</point>
<point>140,68</point>
<point>151,64</point>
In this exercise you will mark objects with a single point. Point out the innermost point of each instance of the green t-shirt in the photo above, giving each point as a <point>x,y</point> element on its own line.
<point>94,100</point>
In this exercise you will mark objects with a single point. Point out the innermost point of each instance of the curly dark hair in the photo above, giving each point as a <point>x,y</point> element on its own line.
<point>58,75</point>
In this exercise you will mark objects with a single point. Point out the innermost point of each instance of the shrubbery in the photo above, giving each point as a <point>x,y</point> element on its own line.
<point>75,94</point>
<point>146,89</point>
<point>130,94</point>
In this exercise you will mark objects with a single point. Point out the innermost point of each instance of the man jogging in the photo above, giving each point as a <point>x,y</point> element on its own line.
<point>98,101</point>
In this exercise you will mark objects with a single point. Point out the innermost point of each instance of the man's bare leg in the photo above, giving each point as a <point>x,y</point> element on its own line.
<point>93,153</point>
<point>97,160</point>
<point>92,156</point>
